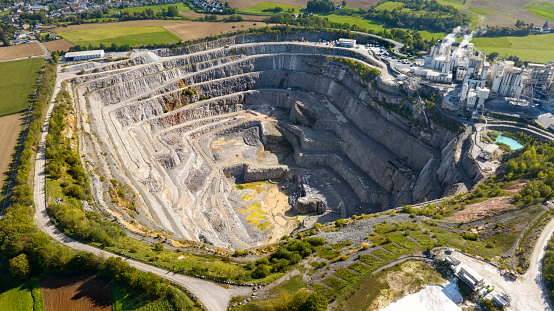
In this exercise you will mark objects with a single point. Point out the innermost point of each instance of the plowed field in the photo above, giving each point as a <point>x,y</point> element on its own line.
<point>76,293</point>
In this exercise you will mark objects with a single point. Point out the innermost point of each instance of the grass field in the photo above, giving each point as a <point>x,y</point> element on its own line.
<point>258,9</point>
<point>542,9</point>
<point>20,51</point>
<point>458,4</point>
<point>537,48</point>
<point>480,12</point>
<point>354,20</point>
<point>17,84</point>
<point>181,7</point>
<point>390,5</point>
<point>17,298</point>
<point>120,35</point>
<point>127,299</point>
<point>58,45</point>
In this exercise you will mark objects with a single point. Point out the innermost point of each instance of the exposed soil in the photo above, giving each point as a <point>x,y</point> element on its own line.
<point>75,293</point>
<point>19,51</point>
<point>483,209</point>
<point>58,45</point>
<point>10,126</point>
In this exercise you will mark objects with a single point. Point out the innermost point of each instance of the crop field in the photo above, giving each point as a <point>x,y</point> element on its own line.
<point>17,84</point>
<point>120,35</point>
<point>258,9</point>
<point>64,293</point>
<point>172,30</point>
<point>181,7</point>
<point>507,12</point>
<point>20,51</point>
<point>10,126</point>
<point>542,9</point>
<point>58,45</point>
<point>194,30</point>
<point>244,4</point>
<point>537,48</point>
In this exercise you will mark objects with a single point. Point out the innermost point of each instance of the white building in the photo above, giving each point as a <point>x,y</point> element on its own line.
<point>84,55</point>
<point>347,43</point>
<point>506,80</point>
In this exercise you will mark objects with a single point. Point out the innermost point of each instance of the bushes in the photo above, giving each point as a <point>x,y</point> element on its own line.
<point>286,255</point>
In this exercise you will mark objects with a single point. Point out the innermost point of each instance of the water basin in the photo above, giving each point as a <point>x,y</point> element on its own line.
<point>508,141</point>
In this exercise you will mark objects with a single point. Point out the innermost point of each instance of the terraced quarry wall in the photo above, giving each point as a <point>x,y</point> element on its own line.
<point>220,146</point>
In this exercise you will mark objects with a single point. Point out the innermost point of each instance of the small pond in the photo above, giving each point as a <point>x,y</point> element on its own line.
<point>508,141</point>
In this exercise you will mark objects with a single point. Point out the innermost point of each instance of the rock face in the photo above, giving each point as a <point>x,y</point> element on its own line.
<point>160,118</point>
<point>310,205</point>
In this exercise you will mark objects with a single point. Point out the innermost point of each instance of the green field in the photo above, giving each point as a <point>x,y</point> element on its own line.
<point>354,20</point>
<point>542,9</point>
<point>120,35</point>
<point>258,9</point>
<point>181,7</point>
<point>458,4</point>
<point>480,12</point>
<point>17,84</point>
<point>535,48</point>
<point>127,299</point>
<point>17,298</point>
<point>391,5</point>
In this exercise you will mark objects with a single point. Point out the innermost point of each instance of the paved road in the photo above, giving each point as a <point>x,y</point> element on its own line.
<point>212,296</point>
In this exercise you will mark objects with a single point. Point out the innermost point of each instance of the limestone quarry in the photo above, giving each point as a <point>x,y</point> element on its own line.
<point>228,142</point>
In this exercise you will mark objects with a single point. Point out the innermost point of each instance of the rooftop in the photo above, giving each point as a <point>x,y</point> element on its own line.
<point>83,53</point>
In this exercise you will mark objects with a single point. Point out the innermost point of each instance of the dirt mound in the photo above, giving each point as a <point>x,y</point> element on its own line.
<point>74,293</point>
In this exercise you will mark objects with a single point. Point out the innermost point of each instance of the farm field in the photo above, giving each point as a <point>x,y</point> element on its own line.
<point>10,126</point>
<point>542,9</point>
<point>20,51</point>
<point>179,30</point>
<point>65,293</point>
<point>58,45</point>
<point>243,4</point>
<point>536,48</point>
<point>17,84</point>
<point>180,7</point>
<point>507,12</point>
<point>258,9</point>
<point>120,35</point>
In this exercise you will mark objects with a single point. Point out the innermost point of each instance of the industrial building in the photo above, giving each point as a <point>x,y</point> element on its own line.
<point>84,55</point>
<point>470,277</point>
<point>347,43</point>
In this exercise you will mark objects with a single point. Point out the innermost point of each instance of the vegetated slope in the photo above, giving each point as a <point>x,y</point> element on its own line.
<point>17,84</point>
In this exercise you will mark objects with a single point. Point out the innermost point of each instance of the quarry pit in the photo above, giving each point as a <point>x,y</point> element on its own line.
<point>234,142</point>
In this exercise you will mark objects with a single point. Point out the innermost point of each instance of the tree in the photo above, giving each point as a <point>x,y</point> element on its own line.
<point>261,271</point>
<point>158,247</point>
<point>343,3</point>
<point>316,302</point>
<point>19,267</point>
<point>545,26</point>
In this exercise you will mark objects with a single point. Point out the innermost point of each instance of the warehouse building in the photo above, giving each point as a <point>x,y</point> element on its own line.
<point>84,55</point>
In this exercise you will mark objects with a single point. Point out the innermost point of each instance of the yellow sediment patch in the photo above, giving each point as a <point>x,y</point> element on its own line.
<point>248,197</point>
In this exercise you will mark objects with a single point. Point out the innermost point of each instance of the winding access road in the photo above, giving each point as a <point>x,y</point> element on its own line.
<point>212,296</point>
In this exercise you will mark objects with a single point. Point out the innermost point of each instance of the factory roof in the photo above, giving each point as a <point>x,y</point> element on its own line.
<point>83,53</point>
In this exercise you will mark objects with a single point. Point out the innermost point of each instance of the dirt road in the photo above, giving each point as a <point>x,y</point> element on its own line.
<point>528,292</point>
<point>212,296</point>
